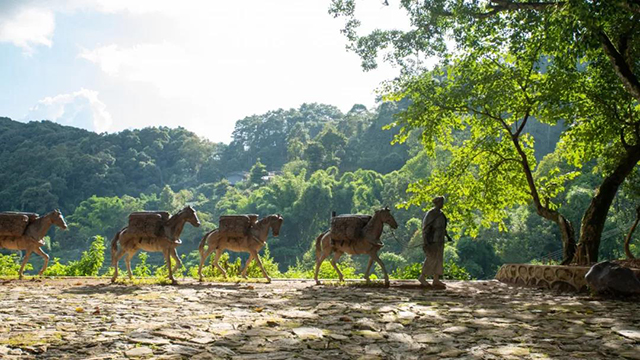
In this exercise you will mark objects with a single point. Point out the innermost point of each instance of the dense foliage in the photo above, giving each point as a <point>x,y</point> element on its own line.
<point>349,177</point>
<point>502,63</point>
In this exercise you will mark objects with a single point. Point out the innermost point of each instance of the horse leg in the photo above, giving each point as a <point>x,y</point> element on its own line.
<point>114,263</point>
<point>167,259</point>
<point>174,255</point>
<point>336,257</point>
<point>127,261</point>
<point>319,261</point>
<point>215,263</point>
<point>384,270</point>
<point>246,265</point>
<point>254,254</point>
<point>24,262</point>
<point>203,257</point>
<point>326,249</point>
<point>366,273</point>
<point>45,257</point>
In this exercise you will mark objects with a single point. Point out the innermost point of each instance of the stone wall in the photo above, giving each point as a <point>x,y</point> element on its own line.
<point>556,277</point>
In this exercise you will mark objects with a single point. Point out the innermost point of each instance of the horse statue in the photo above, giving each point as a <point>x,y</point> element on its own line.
<point>166,241</point>
<point>367,242</point>
<point>252,242</point>
<point>33,238</point>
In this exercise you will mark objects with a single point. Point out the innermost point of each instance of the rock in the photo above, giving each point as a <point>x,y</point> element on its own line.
<point>221,351</point>
<point>142,351</point>
<point>338,337</point>
<point>456,330</point>
<point>149,341</point>
<point>173,349</point>
<point>373,349</point>
<point>633,334</point>
<point>509,351</point>
<point>608,277</point>
<point>308,332</point>
<point>202,340</point>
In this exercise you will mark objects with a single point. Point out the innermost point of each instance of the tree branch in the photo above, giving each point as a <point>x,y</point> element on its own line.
<point>508,5</point>
<point>620,65</point>
<point>524,122</point>
<point>631,5</point>
<point>623,141</point>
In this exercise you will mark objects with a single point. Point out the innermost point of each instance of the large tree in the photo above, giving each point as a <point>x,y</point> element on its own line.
<point>478,109</point>
<point>585,43</point>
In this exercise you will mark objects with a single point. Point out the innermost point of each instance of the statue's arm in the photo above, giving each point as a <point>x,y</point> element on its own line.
<point>446,233</point>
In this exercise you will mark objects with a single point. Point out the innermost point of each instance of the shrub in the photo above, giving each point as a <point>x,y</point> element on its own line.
<point>91,261</point>
<point>10,265</point>
<point>326,272</point>
<point>142,269</point>
<point>55,268</point>
<point>452,271</point>
<point>89,264</point>
<point>391,261</point>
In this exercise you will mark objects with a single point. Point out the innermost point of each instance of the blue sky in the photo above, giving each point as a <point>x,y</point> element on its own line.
<point>109,65</point>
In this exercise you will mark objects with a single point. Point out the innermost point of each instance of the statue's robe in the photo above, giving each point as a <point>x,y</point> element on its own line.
<point>434,227</point>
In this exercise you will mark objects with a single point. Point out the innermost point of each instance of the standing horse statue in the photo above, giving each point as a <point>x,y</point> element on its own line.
<point>251,243</point>
<point>166,241</point>
<point>367,243</point>
<point>33,238</point>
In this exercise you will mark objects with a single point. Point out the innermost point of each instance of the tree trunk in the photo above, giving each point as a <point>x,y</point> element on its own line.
<point>627,240</point>
<point>566,228</point>
<point>596,214</point>
<point>568,239</point>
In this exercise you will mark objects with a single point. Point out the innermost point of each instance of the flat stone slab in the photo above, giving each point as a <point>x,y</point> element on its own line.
<point>297,319</point>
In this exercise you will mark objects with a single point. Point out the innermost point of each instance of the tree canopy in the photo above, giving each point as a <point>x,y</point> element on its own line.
<point>505,62</point>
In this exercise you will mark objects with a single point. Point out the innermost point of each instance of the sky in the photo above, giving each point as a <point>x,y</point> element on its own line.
<point>110,65</point>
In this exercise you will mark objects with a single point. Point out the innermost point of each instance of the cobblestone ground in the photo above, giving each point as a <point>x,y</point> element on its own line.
<point>88,318</point>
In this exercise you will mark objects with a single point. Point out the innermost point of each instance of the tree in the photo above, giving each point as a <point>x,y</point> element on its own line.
<point>493,166</point>
<point>257,172</point>
<point>603,36</point>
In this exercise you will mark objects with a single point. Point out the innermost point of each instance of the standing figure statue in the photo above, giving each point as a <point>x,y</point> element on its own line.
<point>434,231</point>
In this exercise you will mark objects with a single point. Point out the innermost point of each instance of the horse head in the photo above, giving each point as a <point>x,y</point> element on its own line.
<point>275,228</point>
<point>387,218</point>
<point>57,219</point>
<point>191,216</point>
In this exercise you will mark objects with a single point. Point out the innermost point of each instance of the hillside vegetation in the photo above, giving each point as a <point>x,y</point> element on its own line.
<point>302,163</point>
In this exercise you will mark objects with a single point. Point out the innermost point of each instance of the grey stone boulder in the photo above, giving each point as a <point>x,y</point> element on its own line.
<point>608,277</point>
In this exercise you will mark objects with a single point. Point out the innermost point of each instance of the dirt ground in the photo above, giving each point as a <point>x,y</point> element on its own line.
<point>92,319</point>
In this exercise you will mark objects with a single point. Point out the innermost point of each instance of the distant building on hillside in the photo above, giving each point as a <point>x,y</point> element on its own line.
<point>271,175</point>
<point>236,177</point>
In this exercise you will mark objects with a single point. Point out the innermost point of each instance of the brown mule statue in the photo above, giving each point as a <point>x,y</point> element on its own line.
<point>33,237</point>
<point>166,240</point>
<point>366,242</point>
<point>252,242</point>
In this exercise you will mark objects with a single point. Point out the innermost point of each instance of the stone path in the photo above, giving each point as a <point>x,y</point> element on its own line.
<point>89,319</point>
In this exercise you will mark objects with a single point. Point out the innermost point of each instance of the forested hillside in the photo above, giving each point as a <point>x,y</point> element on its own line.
<point>323,161</point>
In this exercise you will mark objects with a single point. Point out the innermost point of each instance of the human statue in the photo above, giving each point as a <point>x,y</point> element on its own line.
<point>434,231</point>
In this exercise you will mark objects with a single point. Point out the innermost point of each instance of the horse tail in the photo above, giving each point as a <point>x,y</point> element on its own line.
<point>114,244</point>
<point>204,240</point>
<point>319,244</point>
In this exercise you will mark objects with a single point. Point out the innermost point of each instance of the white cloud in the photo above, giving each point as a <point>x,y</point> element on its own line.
<point>205,64</point>
<point>161,64</point>
<point>27,27</point>
<point>81,109</point>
